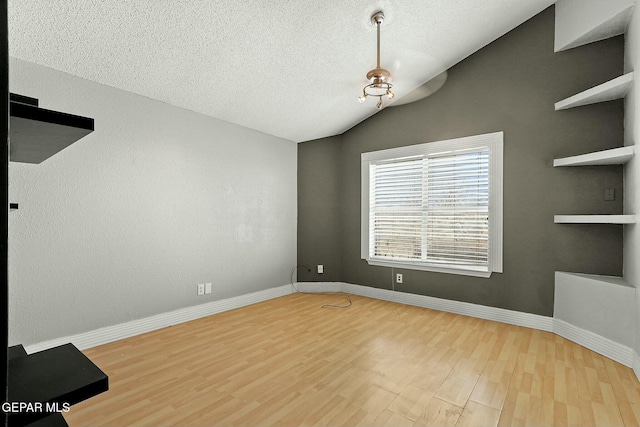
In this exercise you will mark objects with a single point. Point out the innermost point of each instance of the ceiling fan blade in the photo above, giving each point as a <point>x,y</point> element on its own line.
<point>422,91</point>
<point>409,67</point>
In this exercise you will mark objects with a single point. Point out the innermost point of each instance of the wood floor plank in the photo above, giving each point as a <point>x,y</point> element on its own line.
<point>439,413</point>
<point>374,399</point>
<point>392,419</point>
<point>457,387</point>
<point>491,388</point>
<point>289,362</point>
<point>476,414</point>
<point>508,412</point>
<point>410,402</point>
<point>528,409</point>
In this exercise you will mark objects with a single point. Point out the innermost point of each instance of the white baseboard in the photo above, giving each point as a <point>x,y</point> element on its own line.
<point>319,286</point>
<point>597,343</point>
<point>601,345</point>
<point>136,327</point>
<point>474,310</point>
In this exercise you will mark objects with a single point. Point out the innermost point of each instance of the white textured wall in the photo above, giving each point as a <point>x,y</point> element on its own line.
<point>632,169</point>
<point>123,224</point>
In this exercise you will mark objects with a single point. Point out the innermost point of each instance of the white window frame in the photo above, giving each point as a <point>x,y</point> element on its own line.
<point>494,143</point>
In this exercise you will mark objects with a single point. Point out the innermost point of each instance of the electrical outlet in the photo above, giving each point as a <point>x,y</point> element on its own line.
<point>320,268</point>
<point>398,277</point>
<point>200,289</point>
<point>207,288</point>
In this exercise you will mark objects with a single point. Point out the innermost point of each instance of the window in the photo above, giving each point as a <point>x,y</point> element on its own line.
<point>435,206</point>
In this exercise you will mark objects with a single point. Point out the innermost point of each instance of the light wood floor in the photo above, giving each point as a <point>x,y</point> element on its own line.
<point>289,362</point>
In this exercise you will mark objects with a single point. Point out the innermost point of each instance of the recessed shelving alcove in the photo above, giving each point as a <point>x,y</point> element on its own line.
<point>595,311</point>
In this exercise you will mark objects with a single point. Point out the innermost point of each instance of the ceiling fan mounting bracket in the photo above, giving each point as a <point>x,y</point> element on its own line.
<point>377,18</point>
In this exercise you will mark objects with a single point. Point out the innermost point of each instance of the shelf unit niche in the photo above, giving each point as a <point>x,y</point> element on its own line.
<point>599,305</point>
<point>613,89</point>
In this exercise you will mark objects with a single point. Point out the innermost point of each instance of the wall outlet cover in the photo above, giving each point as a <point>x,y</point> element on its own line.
<point>200,289</point>
<point>320,268</point>
<point>207,288</point>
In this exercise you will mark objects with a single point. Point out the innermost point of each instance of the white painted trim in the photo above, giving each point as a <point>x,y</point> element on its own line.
<point>136,327</point>
<point>502,315</point>
<point>601,345</point>
<point>597,343</point>
<point>491,142</point>
<point>463,271</point>
<point>319,286</point>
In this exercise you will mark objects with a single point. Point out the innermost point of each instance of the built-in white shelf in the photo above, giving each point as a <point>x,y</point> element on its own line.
<point>594,219</point>
<point>613,280</point>
<point>614,156</point>
<point>608,91</point>
<point>597,312</point>
<point>579,22</point>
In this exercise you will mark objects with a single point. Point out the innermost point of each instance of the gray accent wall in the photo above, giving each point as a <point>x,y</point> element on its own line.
<point>319,215</point>
<point>511,85</point>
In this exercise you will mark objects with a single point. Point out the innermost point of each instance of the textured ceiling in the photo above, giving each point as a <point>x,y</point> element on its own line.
<point>290,68</point>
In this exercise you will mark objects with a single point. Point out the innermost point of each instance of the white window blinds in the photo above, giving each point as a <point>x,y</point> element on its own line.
<point>457,209</point>
<point>396,214</point>
<point>434,208</point>
<point>431,209</point>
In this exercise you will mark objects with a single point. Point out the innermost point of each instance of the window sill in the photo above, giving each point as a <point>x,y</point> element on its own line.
<point>436,269</point>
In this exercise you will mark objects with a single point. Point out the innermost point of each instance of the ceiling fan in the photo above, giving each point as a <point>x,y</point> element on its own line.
<point>379,78</point>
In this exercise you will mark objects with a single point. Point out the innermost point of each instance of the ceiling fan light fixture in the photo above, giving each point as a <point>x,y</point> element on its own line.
<point>379,77</point>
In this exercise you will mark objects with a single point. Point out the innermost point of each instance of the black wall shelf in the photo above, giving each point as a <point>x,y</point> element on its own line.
<point>37,134</point>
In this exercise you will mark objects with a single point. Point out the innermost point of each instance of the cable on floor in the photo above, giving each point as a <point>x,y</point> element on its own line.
<point>338,294</point>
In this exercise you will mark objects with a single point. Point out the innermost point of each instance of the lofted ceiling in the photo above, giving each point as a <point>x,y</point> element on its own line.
<point>289,68</point>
